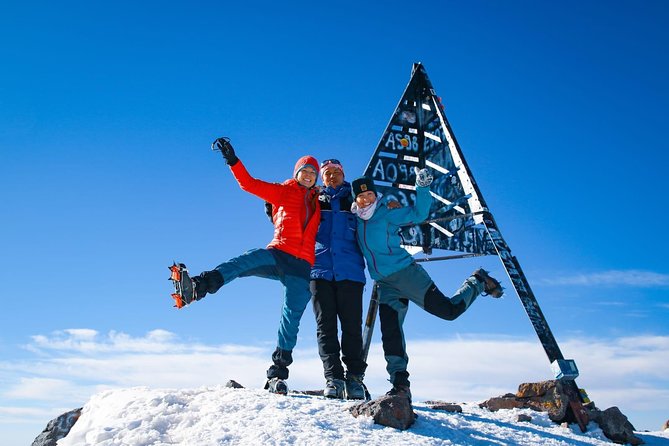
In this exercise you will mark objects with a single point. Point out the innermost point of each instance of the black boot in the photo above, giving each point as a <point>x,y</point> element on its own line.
<point>281,360</point>
<point>400,390</point>
<point>277,374</point>
<point>401,385</point>
<point>207,282</point>
<point>490,285</point>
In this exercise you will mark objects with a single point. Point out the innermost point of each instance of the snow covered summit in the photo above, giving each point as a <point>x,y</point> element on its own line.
<point>226,416</point>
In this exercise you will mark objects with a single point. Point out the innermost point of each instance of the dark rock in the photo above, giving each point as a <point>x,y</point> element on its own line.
<point>522,418</point>
<point>308,392</point>
<point>665,426</point>
<point>388,410</point>
<point>503,402</point>
<point>441,405</point>
<point>615,426</point>
<point>233,384</point>
<point>57,428</point>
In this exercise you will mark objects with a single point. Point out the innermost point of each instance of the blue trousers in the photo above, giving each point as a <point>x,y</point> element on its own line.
<point>291,271</point>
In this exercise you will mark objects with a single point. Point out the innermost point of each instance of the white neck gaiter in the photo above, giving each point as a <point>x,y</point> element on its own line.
<point>366,213</point>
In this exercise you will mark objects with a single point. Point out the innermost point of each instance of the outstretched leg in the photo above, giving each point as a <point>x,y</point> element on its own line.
<point>435,302</point>
<point>255,262</point>
<point>414,283</point>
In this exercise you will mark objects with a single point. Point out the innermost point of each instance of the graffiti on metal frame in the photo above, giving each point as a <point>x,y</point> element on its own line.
<point>415,137</point>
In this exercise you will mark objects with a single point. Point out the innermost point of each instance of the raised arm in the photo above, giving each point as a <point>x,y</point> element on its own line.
<point>267,191</point>
<point>421,210</point>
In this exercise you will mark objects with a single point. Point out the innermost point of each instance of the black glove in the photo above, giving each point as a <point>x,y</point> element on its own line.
<point>269,211</point>
<point>223,145</point>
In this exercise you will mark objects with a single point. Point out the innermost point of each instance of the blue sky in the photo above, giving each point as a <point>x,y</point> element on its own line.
<point>106,116</point>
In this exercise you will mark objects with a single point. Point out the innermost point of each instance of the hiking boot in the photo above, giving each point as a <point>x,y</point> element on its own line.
<point>355,389</point>
<point>490,285</point>
<point>334,388</point>
<point>207,282</point>
<point>277,385</point>
<point>400,390</point>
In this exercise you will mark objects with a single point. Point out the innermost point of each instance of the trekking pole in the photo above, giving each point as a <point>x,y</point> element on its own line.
<point>368,329</point>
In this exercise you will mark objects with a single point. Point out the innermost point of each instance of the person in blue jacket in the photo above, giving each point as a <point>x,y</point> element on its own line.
<point>337,283</point>
<point>399,278</point>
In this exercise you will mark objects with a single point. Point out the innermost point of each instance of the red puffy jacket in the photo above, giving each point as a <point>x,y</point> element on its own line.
<point>296,215</point>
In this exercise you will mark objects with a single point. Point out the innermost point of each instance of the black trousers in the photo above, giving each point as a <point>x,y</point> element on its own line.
<point>332,301</point>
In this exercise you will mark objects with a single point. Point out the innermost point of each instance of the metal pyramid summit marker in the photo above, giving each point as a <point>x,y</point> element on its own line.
<point>419,135</point>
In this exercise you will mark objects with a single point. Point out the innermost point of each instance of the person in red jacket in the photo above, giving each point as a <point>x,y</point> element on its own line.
<point>288,258</point>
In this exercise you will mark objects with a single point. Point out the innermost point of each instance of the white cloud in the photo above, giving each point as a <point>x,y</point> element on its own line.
<point>91,342</point>
<point>20,412</point>
<point>629,372</point>
<point>82,333</point>
<point>633,278</point>
<point>38,388</point>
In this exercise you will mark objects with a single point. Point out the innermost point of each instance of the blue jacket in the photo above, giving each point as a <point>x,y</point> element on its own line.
<point>338,256</point>
<point>379,236</point>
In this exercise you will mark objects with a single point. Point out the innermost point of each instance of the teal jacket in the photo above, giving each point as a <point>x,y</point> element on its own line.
<point>379,237</point>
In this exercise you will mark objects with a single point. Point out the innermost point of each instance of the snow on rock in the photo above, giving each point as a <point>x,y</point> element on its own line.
<point>227,416</point>
<point>388,410</point>
<point>57,428</point>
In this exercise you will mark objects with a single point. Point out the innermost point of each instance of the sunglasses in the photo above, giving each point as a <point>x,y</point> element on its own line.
<point>330,161</point>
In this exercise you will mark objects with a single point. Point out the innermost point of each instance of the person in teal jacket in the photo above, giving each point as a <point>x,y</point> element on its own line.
<point>399,278</point>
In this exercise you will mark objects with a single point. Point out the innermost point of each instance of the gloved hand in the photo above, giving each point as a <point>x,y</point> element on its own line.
<point>423,177</point>
<point>269,211</point>
<point>223,145</point>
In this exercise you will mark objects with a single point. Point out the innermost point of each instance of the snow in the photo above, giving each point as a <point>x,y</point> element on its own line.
<point>224,416</point>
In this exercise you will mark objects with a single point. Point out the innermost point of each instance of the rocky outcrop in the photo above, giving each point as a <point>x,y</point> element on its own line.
<point>389,410</point>
<point>545,396</point>
<point>551,397</point>
<point>665,426</point>
<point>57,428</point>
<point>615,425</point>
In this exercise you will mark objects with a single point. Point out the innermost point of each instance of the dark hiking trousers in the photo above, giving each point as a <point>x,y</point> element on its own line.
<point>332,301</point>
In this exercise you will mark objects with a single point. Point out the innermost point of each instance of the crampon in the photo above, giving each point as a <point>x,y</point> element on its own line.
<point>184,291</point>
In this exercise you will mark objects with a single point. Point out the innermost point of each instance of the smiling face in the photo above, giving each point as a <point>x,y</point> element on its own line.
<point>306,176</point>
<point>364,199</point>
<point>333,176</point>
